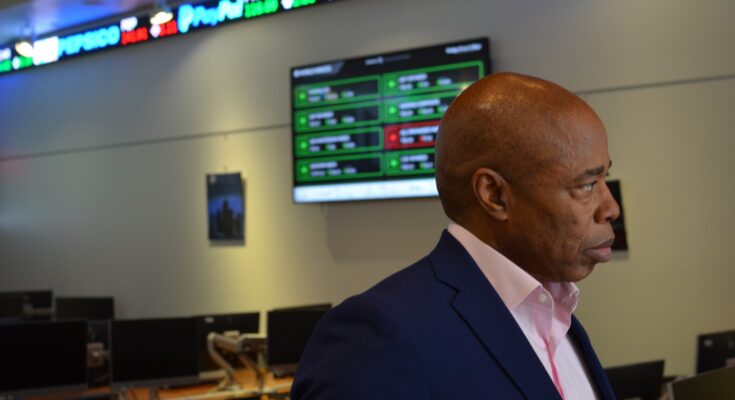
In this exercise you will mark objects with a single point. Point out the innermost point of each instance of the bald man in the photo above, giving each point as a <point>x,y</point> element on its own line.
<point>521,166</point>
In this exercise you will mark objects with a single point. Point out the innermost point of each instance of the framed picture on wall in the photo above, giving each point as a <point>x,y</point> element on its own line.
<point>621,237</point>
<point>225,206</point>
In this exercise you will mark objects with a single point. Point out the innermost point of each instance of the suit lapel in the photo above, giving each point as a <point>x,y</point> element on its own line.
<point>485,313</point>
<point>591,361</point>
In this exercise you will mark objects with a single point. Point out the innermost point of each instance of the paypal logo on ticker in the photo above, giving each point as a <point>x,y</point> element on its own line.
<point>196,16</point>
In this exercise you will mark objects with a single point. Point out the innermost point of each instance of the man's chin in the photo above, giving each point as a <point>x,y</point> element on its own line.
<point>578,273</point>
<point>568,274</point>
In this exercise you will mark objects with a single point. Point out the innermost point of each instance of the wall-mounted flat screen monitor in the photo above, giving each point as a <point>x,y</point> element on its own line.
<point>637,381</point>
<point>289,329</point>
<point>364,128</point>
<point>42,357</point>
<point>718,384</point>
<point>154,352</point>
<point>234,324</point>
<point>715,350</point>
<point>88,308</point>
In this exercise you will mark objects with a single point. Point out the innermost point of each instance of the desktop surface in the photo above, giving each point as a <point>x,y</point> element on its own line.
<point>274,388</point>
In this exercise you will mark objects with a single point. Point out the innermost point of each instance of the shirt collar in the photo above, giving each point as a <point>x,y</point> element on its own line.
<point>511,282</point>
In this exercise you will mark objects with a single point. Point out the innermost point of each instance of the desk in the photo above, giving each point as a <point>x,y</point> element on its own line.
<point>246,378</point>
<point>278,387</point>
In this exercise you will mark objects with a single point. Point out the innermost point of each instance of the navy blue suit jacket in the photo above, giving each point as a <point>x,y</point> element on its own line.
<point>435,330</point>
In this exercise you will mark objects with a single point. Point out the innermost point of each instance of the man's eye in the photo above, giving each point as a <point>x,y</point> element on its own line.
<point>588,187</point>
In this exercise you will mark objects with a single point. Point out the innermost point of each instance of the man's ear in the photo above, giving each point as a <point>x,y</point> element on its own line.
<point>491,191</point>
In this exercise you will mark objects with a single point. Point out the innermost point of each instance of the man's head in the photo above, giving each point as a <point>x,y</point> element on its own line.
<point>521,163</point>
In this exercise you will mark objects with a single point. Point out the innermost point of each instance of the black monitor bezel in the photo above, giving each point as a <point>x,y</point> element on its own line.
<point>12,308</point>
<point>703,364</point>
<point>710,392</point>
<point>107,302</point>
<point>37,298</point>
<point>645,379</point>
<point>45,328</point>
<point>184,379</point>
<point>284,368</point>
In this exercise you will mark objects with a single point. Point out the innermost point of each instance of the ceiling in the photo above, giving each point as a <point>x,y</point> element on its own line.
<point>40,17</point>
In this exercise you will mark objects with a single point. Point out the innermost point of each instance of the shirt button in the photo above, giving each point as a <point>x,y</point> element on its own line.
<point>543,298</point>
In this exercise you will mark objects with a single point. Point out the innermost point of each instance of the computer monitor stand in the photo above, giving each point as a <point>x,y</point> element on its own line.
<point>242,346</point>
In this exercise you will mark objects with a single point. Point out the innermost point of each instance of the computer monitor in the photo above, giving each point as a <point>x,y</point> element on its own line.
<point>718,384</point>
<point>715,350</point>
<point>289,329</point>
<point>637,381</point>
<point>89,308</point>
<point>364,128</point>
<point>36,303</point>
<point>154,352</point>
<point>11,307</point>
<point>235,324</point>
<point>42,356</point>
<point>39,299</point>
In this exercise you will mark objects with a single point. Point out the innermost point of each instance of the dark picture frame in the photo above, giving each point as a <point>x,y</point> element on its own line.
<point>225,206</point>
<point>621,237</point>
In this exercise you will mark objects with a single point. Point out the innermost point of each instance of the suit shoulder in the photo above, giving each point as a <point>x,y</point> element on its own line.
<point>361,349</point>
<point>414,278</point>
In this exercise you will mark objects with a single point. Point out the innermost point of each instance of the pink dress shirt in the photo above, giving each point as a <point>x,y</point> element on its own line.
<point>542,311</point>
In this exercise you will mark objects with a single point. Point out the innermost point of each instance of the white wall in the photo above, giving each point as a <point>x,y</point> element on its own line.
<point>102,163</point>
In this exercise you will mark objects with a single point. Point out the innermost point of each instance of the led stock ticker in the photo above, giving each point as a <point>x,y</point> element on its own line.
<point>365,128</point>
<point>138,29</point>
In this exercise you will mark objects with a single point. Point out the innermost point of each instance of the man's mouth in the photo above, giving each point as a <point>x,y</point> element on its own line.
<point>602,252</point>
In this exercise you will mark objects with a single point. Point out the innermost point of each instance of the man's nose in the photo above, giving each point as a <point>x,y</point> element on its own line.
<point>608,210</point>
